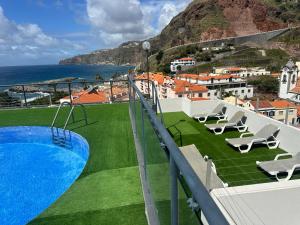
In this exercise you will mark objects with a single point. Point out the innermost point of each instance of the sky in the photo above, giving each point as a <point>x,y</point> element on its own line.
<point>35,32</point>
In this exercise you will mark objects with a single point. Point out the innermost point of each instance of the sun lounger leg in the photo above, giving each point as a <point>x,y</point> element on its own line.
<point>288,177</point>
<point>245,150</point>
<point>242,128</point>
<point>202,119</point>
<point>271,145</point>
<point>219,132</point>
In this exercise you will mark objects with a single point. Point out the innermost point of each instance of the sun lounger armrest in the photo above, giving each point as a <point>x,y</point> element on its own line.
<point>221,120</point>
<point>283,154</point>
<point>244,134</point>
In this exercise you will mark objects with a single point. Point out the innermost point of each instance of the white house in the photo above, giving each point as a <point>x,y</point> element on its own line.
<point>220,83</point>
<point>242,71</point>
<point>183,63</point>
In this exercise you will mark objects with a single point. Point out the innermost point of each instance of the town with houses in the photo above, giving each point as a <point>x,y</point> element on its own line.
<point>230,84</point>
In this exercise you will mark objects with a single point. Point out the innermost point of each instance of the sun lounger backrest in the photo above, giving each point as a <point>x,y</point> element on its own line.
<point>237,117</point>
<point>267,131</point>
<point>218,109</point>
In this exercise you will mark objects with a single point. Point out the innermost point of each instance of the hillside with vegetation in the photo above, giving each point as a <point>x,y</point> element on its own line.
<point>203,20</point>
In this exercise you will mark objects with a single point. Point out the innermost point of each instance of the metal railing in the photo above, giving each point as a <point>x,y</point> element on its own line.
<point>163,163</point>
<point>49,94</point>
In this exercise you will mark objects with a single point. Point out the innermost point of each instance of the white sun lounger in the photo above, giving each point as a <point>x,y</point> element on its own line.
<point>274,167</point>
<point>236,121</point>
<point>218,112</point>
<point>267,135</point>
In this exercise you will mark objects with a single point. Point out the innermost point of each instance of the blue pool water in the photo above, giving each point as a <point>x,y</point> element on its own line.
<point>34,173</point>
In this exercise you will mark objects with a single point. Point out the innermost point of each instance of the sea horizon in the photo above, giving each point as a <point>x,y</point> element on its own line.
<point>26,74</point>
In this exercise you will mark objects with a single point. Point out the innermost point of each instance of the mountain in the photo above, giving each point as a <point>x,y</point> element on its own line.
<point>203,20</point>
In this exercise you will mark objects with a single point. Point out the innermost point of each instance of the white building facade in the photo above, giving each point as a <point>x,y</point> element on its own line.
<point>183,63</point>
<point>218,85</point>
<point>243,72</point>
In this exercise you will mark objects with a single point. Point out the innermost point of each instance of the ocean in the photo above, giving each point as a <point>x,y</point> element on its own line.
<point>28,74</point>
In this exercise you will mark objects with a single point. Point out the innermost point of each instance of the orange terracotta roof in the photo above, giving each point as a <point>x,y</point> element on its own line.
<point>182,86</point>
<point>186,59</point>
<point>192,76</point>
<point>281,104</point>
<point>263,104</point>
<point>218,77</point>
<point>159,77</point>
<point>95,96</point>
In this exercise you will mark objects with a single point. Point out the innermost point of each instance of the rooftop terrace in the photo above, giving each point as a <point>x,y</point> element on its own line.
<point>135,163</point>
<point>109,190</point>
<point>233,168</point>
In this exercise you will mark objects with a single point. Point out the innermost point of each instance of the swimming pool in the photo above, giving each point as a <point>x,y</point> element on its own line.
<point>34,172</point>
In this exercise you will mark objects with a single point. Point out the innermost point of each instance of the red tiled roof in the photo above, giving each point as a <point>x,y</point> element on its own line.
<point>218,77</point>
<point>186,59</point>
<point>281,104</point>
<point>263,104</point>
<point>94,96</point>
<point>159,77</point>
<point>182,86</point>
<point>192,76</point>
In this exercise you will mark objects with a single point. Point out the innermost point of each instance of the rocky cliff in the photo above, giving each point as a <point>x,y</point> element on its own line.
<point>203,20</point>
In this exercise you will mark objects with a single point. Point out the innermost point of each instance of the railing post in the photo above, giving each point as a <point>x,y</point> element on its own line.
<point>144,145</point>
<point>24,95</point>
<point>70,93</point>
<point>174,191</point>
<point>71,100</point>
<point>111,90</point>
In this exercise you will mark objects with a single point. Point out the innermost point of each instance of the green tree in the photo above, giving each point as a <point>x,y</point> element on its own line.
<point>265,84</point>
<point>159,56</point>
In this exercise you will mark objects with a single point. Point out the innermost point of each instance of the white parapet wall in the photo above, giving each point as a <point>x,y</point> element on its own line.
<point>289,136</point>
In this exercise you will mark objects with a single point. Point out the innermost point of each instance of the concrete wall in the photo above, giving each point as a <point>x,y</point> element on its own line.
<point>289,136</point>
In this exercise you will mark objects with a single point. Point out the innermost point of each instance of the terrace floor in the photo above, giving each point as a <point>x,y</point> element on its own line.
<point>109,190</point>
<point>233,167</point>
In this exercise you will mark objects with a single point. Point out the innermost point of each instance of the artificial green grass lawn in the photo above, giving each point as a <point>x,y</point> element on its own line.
<point>109,190</point>
<point>233,167</point>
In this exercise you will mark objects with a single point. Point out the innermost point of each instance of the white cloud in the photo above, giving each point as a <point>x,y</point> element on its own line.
<point>116,21</point>
<point>19,42</point>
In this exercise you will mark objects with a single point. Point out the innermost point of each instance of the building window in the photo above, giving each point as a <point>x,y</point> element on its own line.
<point>280,113</point>
<point>208,94</point>
<point>291,112</point>
<point>216,93</point>
<point>200,95</point>
<point>249,90</point>
<point>243,91</point>
<point>271,113</point>
<point>284,79</point>
<point>180,96</point>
